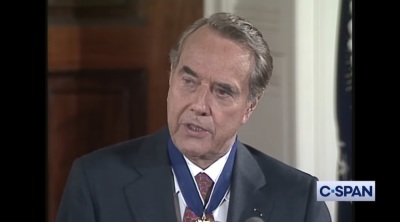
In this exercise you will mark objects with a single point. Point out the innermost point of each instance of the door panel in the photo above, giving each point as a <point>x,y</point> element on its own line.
<point>87,110</point>
<point>108,76</point>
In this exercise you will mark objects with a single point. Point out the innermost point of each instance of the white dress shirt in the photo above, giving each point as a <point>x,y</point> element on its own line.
<point>221,213</point>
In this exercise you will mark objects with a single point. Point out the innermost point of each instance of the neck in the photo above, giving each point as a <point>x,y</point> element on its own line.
<point>206,161</point>
<point>202,163</point>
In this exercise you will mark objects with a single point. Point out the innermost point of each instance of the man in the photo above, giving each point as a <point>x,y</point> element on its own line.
<point>196,169</point>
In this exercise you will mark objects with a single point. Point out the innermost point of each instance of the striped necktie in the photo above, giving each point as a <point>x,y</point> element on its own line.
<point>205,184</point>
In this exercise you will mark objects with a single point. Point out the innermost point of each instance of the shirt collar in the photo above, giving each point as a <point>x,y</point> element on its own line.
<point>213,171</point>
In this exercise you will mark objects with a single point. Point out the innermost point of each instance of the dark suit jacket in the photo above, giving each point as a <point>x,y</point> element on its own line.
<point>133,182</point>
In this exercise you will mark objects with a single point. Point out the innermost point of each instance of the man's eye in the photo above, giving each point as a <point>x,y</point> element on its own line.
<point>222,92</point>
<point>188,81</point>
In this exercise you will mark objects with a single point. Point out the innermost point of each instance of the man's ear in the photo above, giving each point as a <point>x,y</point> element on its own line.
<point>251,107</point>
<point>172,70</point>
<point>170,75</point>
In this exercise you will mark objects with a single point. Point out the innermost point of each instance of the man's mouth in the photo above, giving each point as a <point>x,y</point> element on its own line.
<point>195,128</point>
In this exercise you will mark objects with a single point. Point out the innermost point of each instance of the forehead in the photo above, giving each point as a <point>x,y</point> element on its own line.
<point>210,54</point>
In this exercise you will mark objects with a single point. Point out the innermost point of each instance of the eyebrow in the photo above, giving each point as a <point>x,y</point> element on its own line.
<point>189,71</point>
<point>227,87</point>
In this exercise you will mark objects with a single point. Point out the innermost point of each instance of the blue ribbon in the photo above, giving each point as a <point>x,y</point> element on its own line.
<point>188,186</point>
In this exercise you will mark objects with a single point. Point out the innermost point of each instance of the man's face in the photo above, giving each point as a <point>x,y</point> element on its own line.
<point>207,97</point>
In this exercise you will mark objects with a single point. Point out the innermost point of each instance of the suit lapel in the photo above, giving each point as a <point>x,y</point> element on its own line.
<point>151,193</point>
<point>248,190</point>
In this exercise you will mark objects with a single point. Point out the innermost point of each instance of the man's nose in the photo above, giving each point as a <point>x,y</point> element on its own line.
<point>200,103</point>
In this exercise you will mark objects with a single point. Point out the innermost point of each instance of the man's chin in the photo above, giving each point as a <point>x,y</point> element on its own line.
<point>193,149</point>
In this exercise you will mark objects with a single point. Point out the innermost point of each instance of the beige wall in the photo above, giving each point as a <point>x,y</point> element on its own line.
<point>295,121</point>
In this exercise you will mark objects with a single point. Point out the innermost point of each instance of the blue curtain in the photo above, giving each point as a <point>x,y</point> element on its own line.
<point>344,89</point>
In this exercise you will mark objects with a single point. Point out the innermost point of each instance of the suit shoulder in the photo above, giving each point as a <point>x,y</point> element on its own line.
<point>121,153</point>
<point>278,169</point>
<point>112,152</point>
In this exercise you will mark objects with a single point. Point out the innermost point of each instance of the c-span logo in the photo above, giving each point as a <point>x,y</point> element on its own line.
<point>345,190</point>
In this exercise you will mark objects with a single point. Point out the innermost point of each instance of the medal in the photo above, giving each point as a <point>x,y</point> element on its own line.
<point>188,187</point>
<point>203,218</point>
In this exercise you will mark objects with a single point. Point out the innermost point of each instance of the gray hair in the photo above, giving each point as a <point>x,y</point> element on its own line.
<point>242,32</point>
